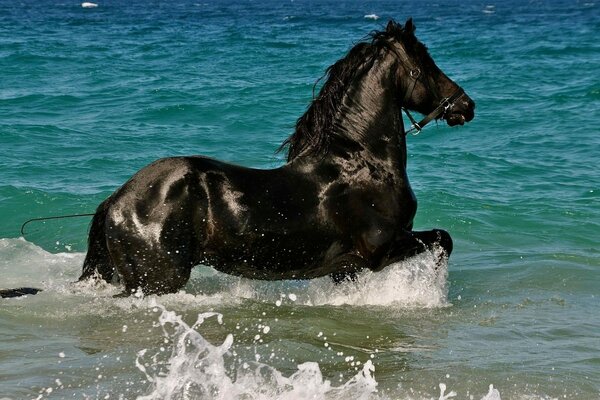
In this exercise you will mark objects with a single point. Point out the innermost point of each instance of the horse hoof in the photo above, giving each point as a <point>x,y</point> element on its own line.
<point>445,241</point>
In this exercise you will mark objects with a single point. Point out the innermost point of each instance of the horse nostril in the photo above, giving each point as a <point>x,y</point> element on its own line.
<point>466,107</point>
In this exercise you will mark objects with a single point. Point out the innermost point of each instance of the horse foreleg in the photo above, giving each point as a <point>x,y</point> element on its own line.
<point>411,243</point>
<point>346,267</point>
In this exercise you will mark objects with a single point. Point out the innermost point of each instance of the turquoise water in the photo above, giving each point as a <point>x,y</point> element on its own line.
<point>90,95</point>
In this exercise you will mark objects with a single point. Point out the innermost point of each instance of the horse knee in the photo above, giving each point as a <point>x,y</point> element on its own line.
<point>343,276</point>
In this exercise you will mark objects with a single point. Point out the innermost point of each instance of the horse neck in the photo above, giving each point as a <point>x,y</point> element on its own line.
<point>369,117</point>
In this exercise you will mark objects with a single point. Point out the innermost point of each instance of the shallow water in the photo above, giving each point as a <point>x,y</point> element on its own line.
<point>90,95</point>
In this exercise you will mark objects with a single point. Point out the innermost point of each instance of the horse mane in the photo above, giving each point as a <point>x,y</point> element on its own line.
<point>314,128</point>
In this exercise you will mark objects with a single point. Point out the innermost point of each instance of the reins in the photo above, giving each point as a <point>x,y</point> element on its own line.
<point>415,74</point>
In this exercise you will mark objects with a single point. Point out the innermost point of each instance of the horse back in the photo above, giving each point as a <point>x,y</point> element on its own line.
<point>244,221</point>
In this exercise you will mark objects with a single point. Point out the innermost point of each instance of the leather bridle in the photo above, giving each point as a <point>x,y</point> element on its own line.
<point>415,74</point>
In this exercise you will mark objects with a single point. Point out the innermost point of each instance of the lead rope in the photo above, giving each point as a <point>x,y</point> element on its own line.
<point>55,217</point>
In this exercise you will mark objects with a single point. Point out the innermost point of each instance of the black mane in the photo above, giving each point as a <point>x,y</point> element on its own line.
<point>313,129</point>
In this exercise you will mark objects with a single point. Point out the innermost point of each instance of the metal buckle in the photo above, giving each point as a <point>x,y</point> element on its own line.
<point>446,105</point>
<point>415,130</point>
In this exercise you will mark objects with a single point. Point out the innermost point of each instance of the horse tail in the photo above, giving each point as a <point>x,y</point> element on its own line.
<point>97,260</point>
<point>24,291</point>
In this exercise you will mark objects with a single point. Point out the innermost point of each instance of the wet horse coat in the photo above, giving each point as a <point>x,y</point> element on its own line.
<point>340,204</point>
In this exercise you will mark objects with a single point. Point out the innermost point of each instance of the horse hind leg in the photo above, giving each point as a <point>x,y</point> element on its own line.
<point>150,270</point>
<point>155,267</point>
<point>169,273</point>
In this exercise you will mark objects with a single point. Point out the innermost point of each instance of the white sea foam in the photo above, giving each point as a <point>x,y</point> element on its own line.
<point>88,4</point>
<point>415,283</point>
<point>25,264</point>
<point>374,17</point>
<point>489,9</point>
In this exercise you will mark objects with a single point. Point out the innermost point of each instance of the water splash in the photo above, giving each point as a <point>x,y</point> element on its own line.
<point>443,395</point>
<point>197,369</point>
<point>418,282</point>
<point>493,394</point>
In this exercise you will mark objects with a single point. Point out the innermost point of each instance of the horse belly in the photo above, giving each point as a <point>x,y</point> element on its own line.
<point>273,255</point>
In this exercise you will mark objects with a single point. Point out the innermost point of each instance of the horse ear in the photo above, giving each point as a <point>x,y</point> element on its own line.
<point>409,26</point>
<point>391,25</point>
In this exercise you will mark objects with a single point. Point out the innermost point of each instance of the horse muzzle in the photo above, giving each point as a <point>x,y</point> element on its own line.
<point>456,109</point>
<point>460,111</point>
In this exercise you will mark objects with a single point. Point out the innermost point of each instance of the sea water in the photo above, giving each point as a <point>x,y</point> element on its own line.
<point>88,95</point>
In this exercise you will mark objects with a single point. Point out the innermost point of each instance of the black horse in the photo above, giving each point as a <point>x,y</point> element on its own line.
<point>340,204</point>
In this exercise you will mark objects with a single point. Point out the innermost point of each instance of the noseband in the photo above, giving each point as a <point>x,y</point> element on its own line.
<point>415,74</point>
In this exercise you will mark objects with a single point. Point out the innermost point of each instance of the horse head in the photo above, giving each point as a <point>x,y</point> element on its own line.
<point>422,86</point>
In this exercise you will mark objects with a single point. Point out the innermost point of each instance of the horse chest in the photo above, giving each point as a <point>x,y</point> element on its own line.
<point>408,205</point>
<point>367,197</point>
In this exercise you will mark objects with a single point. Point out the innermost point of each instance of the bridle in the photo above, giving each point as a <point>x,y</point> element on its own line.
<point>415,73</point>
